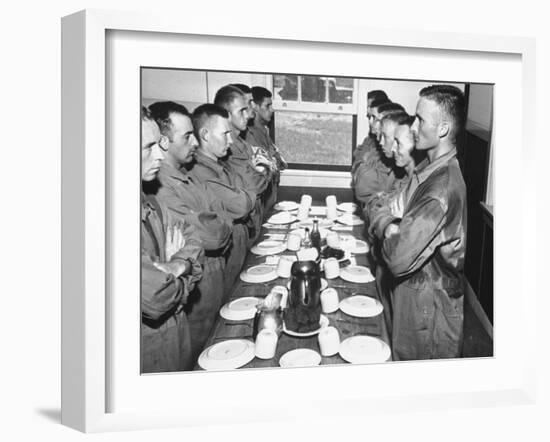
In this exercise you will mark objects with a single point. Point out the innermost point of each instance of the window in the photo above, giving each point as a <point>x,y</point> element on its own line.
<point>314,122</point>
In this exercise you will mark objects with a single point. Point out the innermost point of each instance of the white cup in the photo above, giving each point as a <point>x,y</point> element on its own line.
<point>332,213</point>
<point>283,267</point>
<point>333,240</point>
<point>293,242</point>
<point>303,213</point>
<point>266,344</point>
<point>329,341</point>
<point>332,268</point>
<point>331,201</point>
<point>306,201</point>
<point>284,294</point>
<point>329,300</point>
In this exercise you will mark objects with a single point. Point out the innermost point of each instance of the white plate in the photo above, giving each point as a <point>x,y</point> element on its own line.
<point>323,322</point>
<point>361,306</point>
<point>362,349</point>
<point>240,309</point>
<point>281,218</point>
<point>286,205</point>
<point>359,274</point>
<point>349,220</point>
<point>357,246</point>
<point>302,232</point>
<point>227,355</point>
<point>268,247</point>
<point>323,222</point>
<point>301,357</point>
<point>259,273</point>
<point>324,284</point>
<point>347,207</point>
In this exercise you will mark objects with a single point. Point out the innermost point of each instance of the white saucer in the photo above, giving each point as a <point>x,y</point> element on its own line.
<point>361,306</point>
<point>240,309</point>
<point>302,232</point>
<point>349,220</point>
<point>286,205</point>
<point>324,284</point>
<point>259,273</point>
<point>268,247</point>
<point>281,218</point>
<point>323,322</point>
<point>347,207</point>
<point>300,357</point>
<point>362,349</point>
<point>227,355</point>
<point>359,274</point>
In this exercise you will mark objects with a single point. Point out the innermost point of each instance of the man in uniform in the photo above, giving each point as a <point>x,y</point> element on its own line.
<point>425,248</point>
<point>170,268</point>
<point>235,197</point>
<point>195,204</point>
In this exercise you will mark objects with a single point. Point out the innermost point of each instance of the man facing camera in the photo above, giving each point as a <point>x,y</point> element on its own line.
<point>424,249</point>
<point>170,268</point>
<point>194,203</point>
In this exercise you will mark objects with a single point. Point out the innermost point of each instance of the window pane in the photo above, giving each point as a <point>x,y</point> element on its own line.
<point>340,90</point>
<point>285,87</point>
<point>313,138</point>
<point>313,89</point>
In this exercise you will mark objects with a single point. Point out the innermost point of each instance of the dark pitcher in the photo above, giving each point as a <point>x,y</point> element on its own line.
<point>304,303</point>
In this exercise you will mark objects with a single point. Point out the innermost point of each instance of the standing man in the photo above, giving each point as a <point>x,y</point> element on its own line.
<point>194,203</point>
<point>425,249</point>
<point>258,136</point>
<point>170,268</point>
<point>253,168</point>
<point>235,199</point>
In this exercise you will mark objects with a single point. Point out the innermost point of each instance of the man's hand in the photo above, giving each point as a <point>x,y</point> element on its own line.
<point>392,229</point>
<point>176,268</point>
<point>174,240</point>
<point>397,206</point>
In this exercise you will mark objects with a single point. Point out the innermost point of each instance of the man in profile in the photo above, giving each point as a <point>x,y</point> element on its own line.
<point>170,268</point>
<point>235,198</point>
<point>425,248</point>
<point>194,203</point>
<point>259,138</point>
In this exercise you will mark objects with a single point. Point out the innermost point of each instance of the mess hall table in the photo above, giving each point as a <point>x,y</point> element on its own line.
<point>346,325</point>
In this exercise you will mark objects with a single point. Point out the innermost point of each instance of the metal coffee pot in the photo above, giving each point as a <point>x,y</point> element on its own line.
<point>305,285</point>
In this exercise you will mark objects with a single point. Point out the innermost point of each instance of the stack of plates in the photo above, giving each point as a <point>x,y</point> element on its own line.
<point>347,207</point>
<point>301,357</point>
<point>363,349</point>
<point>359,274</point>
<point>268,247</point>
<point>240,309</point>
<point>259,273</point>
<point>281,218</point>
<point>227,355</point>
<point>323,322</point>
<point>361,306</point>
<point>349,220</point>
<point>286,206</point>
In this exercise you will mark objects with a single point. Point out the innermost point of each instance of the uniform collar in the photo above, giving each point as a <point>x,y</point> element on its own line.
<point>425,168</point>
<point>201,158</point>
<point>169,171</point>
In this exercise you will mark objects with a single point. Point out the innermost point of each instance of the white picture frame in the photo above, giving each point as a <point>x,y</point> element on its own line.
<point>85,260</point>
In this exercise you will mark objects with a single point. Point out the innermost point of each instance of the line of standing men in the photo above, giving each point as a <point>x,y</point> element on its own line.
<point>208,178</point>
<point>408,180</point>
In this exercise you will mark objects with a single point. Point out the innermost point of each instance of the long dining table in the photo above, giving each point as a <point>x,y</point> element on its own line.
<point>346,325</point>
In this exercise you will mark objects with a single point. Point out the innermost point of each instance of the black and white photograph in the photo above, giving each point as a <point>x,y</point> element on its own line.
<point>298,220</point>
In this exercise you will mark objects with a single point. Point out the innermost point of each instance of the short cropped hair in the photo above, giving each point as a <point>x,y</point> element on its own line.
<point>377,95</point>
<point>406,121</point>
<point>203,113</point>
<point>450,100</point>
<point>259,94</point>
<point>242,87</point>
<point>226,95</point>
<point>161,111</point>
<point>390,108</point>
<point>397,117</point>
<point>379,102</point>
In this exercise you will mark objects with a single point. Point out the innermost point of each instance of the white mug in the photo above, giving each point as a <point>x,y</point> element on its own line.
<point>329,300</point>
<point>332,213</point>
<point>332,268</point>
<point>306,201</point>
<point>283,291</point>
<point>294,242</point>
<point>333,240</point>
<point>283,267</point>
<point>329,341</point>
<point>266,344</point>
<point>331,201</point>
